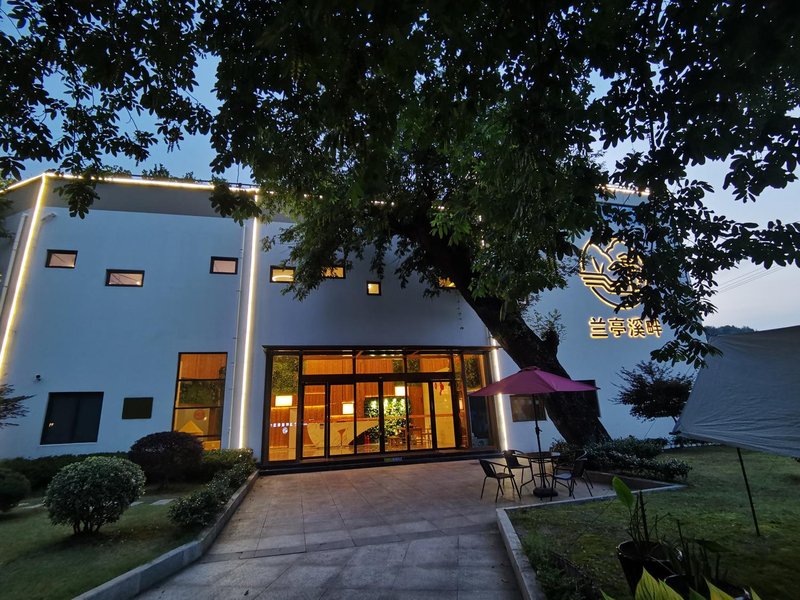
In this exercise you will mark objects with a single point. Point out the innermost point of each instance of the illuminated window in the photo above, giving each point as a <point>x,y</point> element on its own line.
<point>200,396</point>
<point>445,283</point>
<point>281,274</point>
<point>137,408</point>
<point>373,288</point>
<point>72,417</point>
<point>225,266</point>
<point>116,277</point>
<point>61,259</point>
<point>333,272</point>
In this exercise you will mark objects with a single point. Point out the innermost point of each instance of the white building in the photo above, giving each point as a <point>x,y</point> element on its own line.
<point>153,313</point>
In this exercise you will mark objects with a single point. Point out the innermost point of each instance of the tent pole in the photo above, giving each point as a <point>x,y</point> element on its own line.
<point>749,495</point>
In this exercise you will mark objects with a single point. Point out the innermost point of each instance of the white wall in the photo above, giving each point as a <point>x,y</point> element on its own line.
<point>80,335</point>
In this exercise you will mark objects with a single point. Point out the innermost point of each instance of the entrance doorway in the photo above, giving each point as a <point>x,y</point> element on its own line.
<point>377,417</point>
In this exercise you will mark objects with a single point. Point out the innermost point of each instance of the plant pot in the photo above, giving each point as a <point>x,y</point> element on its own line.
<point>634,559</point>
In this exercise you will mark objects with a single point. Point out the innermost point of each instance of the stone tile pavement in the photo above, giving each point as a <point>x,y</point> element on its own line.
<point>403,531</point>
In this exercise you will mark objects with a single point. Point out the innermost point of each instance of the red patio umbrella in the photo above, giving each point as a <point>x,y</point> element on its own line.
<point>529,381</point>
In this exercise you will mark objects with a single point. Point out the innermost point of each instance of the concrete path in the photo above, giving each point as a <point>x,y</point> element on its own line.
<point>397,532</point>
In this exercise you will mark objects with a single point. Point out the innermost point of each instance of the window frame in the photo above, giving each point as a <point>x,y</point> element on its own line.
<point>232,259</point>
<point>110,272</point>
<point>272,270</point>
<point>53,252</point>
<point>176,408</point>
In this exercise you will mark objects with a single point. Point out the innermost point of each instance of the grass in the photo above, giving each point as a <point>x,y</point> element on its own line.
<point>713,506</point>
<point>41,561</point>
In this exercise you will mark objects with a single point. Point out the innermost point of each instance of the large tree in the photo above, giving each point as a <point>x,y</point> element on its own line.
<point>458,136</point>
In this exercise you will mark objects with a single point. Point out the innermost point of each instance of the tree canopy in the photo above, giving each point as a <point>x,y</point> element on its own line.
<point>461,137</point>
<point>654,390</point>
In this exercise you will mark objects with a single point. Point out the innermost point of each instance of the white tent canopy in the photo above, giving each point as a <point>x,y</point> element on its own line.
<point>750,396</point>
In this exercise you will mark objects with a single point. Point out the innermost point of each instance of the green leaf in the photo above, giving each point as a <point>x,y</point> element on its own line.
<point>624,493</point>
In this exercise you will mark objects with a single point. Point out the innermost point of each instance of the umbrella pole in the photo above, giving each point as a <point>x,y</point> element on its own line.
<point>542,491</point>
<point>749,495</point>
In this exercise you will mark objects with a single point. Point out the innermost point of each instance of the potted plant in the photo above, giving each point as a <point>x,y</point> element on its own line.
<point>642,550</point>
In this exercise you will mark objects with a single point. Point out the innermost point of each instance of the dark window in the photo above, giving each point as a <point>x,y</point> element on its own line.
<point>223,265</point>
<point>527,408</point>
<point>61,259</point>
<point>199,396</point>
<point>120,278</point>
<point>281,274</point>
<point>72,417</point>
<point>373,288</point>
<point>137,408</point>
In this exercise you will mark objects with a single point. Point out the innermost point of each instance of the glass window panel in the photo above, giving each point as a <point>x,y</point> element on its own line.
<point>395,416</point>
<point>433,363</point>
<point>313,421</point>
<point>443,407</point>
<point>201,393</point>
<point>124,278</point>
<point>475,371</point>
<point>72,417</point>
<point>385,362</point>
<point>202,366</point>
<point>333,272</point>
<point>61,259</point>
<point>367,411</point>
<point>285,373</point>
<point>281,274</point>
<point>283,407</point>
<point>327,364</point>
<point>202,422</point>
<point>225,266</point>
<point>342,423</point>
<point>419,426</point>
<point>137,408</point>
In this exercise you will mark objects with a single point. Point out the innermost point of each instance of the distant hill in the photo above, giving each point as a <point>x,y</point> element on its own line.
<point>727,330</point>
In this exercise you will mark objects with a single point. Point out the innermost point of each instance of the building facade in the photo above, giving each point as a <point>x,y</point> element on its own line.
<point>153,314</point>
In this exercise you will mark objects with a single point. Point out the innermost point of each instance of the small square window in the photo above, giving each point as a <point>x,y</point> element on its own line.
<point>281,274</point>
<point>333,272</point>
<point>137,408</point>
<point>225,266</point>
<point>61,259</point>
<point>119,278</point>
<point>445,283</point>
<point>373,288</point>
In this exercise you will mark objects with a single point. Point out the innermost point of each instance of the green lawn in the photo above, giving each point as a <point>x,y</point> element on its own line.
<point>713,506</point>
<point>42,561</point>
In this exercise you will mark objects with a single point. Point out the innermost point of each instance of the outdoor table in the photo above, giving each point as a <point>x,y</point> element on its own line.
<point>541,459</point>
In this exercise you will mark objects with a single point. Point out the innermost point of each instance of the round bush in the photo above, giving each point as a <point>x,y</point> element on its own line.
<point>93,492</point>
<point>13,488</point>
<point>167,455</point>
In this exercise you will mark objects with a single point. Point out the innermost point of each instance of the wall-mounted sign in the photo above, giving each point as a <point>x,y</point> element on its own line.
<point>598,271</point>
<point>633,327</point>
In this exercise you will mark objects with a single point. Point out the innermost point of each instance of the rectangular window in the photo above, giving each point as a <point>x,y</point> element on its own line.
<point>137,408</point>
<point>120,278</point>
<point>333,272</point>
<point>527,408</point>
<point>225,266</point>
<point>72,417</point>
<point>281,274</point>
<point>445,283</point>
<point>61,259</point>
<point>373,288</point>
<point>199,396</point>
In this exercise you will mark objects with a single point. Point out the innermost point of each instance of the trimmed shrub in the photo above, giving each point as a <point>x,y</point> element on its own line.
<point>40,471</point>
<point>215,461</point>
<point>167,455</point>
<point>13,488</point>
<point>238,474</point>
<point>93,492</point>
<point>201,507</point>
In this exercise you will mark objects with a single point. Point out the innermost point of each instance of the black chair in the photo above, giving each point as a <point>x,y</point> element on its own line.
<point>512,464</point>
<point>567,476</point>
<point>491,473</point>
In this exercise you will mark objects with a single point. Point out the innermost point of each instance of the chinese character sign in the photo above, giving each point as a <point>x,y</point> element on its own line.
<point>601,328</point>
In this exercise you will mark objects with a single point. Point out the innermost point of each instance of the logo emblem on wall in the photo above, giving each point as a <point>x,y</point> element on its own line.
<point>598,271</point>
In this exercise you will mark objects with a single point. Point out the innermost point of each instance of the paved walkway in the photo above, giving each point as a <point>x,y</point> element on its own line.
<point>404,531</point>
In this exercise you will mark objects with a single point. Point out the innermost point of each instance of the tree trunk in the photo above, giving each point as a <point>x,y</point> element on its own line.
<point>574,415</point>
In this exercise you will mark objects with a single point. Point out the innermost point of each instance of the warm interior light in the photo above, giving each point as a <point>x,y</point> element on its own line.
<point>347,408</point>
<point>373,288</point>
<point>284,400</point>
<point>399,390</point>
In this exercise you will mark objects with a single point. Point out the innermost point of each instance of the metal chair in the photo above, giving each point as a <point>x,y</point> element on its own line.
<point>512,464</point>
<point>490,472</point>
<point>567,476</point>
